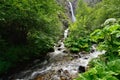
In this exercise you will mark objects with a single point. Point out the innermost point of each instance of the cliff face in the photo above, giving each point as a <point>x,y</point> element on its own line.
<point>66,7</point>
<point>92,2</point>
<point>74,3</point>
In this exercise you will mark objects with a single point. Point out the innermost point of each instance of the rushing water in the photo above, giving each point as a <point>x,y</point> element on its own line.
<point>61,65</point>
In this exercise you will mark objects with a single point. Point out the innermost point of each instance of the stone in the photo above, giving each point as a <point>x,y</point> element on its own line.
<point>62,78</point>
<point>59,49</point>
<point>65,51</point>
<point>67,73</point>
<point>58,45</point>
<point>75,56</point>
<point>84,52</point>
<point>81,69</point>
<point>92,50</point>
<point>86,58</point>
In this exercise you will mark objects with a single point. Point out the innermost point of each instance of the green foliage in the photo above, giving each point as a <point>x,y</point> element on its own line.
<point>107,38</point>
<point>109,71</point>
<point>76,45</point>
<point>88,29</point>
<point>91,18</point>
<point>28,30</point>
<point>106,67</point>
<point>4,65</point>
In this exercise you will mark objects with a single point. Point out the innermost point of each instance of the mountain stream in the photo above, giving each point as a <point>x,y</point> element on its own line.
<point>61,65</point>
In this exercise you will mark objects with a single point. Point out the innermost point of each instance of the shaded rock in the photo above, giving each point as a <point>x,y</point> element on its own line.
<point>86,58</point>
<point>59,71</point>
<point>51,49</point>
<point>65,23</point>
<point>65,51</point>
<point>67,73</point>
<point>92,50</point>
<point>84,52</point>
<point>75,56</point>
<point>59,49</point>
<point>58,45</point>
<point>81,69</point>
<point>79,56</point>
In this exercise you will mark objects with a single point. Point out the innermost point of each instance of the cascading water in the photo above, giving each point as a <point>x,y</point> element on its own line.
<point>72,13</point>
<point>61,65</point>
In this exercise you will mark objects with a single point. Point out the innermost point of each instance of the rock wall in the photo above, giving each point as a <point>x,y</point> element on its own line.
<point>92,2</point>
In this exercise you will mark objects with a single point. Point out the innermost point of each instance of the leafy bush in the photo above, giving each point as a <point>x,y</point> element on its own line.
<point>89,29</point>
<point>109,71</point>
<point>28,30</point>
<point>107,38</point>
<point>4,65</point>
<point>77,45</point>
<point>107,67</point>
<point>91,18</point>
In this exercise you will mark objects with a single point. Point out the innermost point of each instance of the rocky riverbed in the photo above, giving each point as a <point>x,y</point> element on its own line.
<point>61,65</point>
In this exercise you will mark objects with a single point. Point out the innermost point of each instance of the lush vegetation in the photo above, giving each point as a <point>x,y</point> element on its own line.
<point>88,19</point>
<point>91,28</point>
<point>106,67</point>
<point>28,30</point>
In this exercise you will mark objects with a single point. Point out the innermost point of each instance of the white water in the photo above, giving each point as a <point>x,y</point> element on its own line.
<point>61,62</point>
<point>72,13</point>
<point>66,33</point>
<point>58,63</point>
<point>69,67</point>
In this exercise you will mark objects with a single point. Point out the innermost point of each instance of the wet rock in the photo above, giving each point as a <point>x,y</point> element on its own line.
<point>75,56</point>
<point>84,52</point>
<point>65,23</point>
<point>79,55</point>
<point>86,57</point>
<point>60,70</point>
<point>92,50</point>
<point>81,69</point>
<point>65,51</point>
<point>62,39</point>
<point>58,45</point>
<point>59,49</point>
<point>67,73</point>
<point>94,46</point>
<point>62,78</point>
<point>39,78</point>
<point>64,74</point>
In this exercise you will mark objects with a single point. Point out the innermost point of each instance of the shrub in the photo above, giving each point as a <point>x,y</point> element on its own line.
<point>28,29</point>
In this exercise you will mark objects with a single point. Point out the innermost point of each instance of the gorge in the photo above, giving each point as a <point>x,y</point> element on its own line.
<point>61,65</point>
<point>60,40</point>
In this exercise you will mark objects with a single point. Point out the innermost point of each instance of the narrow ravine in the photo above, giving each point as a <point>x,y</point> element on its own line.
<point>62,65</point>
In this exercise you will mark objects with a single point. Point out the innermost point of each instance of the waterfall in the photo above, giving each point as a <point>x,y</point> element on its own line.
<point>60,63</point>
<point>72,13</point>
